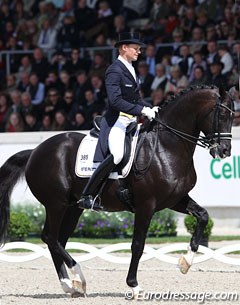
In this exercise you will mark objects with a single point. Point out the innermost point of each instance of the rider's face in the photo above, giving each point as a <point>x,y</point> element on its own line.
<point>132,51</point>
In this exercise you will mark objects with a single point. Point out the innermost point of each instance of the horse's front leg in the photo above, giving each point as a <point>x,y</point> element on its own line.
<point>141,224</point>
<point>188,206</point>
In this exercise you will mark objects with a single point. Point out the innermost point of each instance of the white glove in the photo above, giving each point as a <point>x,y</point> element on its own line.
<point>156,108</point>
<point>149,113</point>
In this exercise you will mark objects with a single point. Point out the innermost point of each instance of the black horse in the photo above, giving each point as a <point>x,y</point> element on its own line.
<point>162,177</point>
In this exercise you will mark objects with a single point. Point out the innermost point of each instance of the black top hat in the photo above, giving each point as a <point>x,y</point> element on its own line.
<point>127,38</point>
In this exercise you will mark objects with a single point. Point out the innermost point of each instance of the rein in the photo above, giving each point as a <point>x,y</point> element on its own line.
<point>207,142</point>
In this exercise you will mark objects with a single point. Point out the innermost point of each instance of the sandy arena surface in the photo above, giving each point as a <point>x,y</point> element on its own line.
<point>35,283</point>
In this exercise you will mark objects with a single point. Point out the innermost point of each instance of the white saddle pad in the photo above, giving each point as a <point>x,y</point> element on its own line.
<point>84,166</point>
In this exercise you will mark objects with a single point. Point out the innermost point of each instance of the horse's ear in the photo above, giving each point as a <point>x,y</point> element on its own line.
<point>232,90</point>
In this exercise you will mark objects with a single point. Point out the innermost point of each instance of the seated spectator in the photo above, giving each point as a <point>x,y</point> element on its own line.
<point>31,32</point>
<point>185,60</point>
<point>15,102</point>
<point>12,45</point>
<point>198,77</point>
<point>26,104</point>
<point>36,90</point>
<point>60,122</point>
<point>47,36</point>
<point>145,78</point>
<point>98,66</point>
<point>67,36</point>
<point>58,62</point>
<point>11,83</point>
<point>66,82</point>
<point>197,39</point>
<point>99,91</point>
<point>198,60</point>
<point>31,122</point>
<point>24,82</point>
<point>216,77</point>
<point>150,58</point>
<point>46,123</point>
<point>52,81</point>
<point>69,105</point>
<point>226,59</point>
<point>157,97</point>
<point>188,22</point>
<point>14,123</point>
<point>104,9</point>
<point>4,108</point>
<point>40,64</point>
<point>25,66</point>
<point>90,107</point>
<point>119,26</point>
<point>80,122</point>
<point>53,102</point>
<point>177,81</point>
<point>80,87</point>
<point>160,80</point>
<point>76,63</point>
<point>171,24</point>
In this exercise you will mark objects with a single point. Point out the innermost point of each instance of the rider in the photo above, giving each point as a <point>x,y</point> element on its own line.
<point>125,105</point>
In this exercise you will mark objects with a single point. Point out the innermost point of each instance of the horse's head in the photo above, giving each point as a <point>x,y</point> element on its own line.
<point>219,135</point>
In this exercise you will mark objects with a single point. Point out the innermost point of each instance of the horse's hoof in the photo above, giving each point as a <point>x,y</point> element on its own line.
<point>79,286</point>
<point>76,294</point>
<point>183,265</point>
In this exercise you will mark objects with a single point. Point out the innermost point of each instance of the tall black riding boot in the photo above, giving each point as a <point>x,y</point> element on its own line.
<point>100,175</point>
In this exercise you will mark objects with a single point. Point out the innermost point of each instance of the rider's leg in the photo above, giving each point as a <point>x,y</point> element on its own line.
<point>116,146</point>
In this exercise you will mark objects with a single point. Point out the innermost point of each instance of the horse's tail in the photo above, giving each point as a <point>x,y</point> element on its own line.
<point>10,172</point>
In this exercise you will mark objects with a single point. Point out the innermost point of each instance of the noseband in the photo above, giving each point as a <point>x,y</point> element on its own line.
<point>211,140</point>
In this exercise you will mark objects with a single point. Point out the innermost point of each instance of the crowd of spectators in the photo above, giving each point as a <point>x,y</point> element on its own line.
<point>56,83</point>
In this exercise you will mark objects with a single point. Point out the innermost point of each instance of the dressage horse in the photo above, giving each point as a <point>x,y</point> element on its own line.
<point>162,176</point>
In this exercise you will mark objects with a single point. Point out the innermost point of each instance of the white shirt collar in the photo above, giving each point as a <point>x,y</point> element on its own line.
<point>128,65</point>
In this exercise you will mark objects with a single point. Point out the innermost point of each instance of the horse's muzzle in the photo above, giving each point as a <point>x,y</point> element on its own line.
<point>221,151</point>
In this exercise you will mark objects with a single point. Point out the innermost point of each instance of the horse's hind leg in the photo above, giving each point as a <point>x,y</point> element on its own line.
<point>188,206</point>
<point>60,224</point>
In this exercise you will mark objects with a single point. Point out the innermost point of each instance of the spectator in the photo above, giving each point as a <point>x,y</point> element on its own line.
<point>69,105</point>
<point>171,24</point>
<point>80,122</point>
<point>46,123</point>
<point>119,26</point>
<point>26,104</point>
<point>150,58</point>
<point>11,83</point>
<point>145,78</point>
<point>4,109</point>
<point>15,99</point>
<point>134,9</point>
<point>105,14</point>
<point>14,123</point>
<point>31,123</point>
<point>52,81</point>
<point>40,64</point>
<point>160,80</point>
<point>157,97</point>
<point>198,60</point>
<point>60,122</point>
<point>197,39</point>
<point>47,36</point>
<point>198,77</point>
<point>24,82</point>
<point>31,33</point>
<point>66,82</point>
<point>99,91</point>
<point>81,85</point>
<point>212,52</point>
<point>226,59</point>
<point>177,81</point>
<point>58,62</point>
<point>185,60</point>
<point>25,66</point>
<point>98,66</point>
<point>12,45</point>
<point>90,107</point>
<point>216,78</point>
<point>67,36</point>
<point>188,22</point>
<point>36,90</point>
<point>76,63</point>
<point>53,102</point>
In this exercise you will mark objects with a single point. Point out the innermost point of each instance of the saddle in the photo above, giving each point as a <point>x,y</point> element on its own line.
<point>131,129</point>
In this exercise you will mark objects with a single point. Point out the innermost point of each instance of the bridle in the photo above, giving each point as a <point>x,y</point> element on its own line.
<point>211,140</point>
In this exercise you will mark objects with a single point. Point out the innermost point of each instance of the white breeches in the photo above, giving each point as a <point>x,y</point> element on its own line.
<point>116,137</point>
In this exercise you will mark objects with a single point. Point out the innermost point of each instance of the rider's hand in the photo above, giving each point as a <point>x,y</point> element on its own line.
<point>150,113</point>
